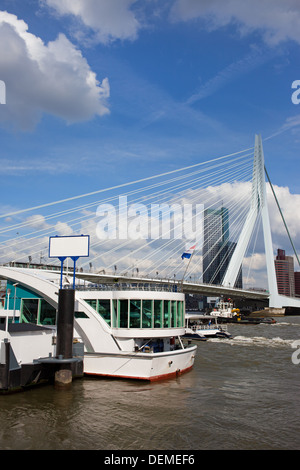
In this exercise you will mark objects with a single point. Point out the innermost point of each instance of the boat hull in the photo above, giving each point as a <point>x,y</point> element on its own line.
<point>194,336</point>
<point>214,333</point>
<point>209,332</point>
<point>140,366</point>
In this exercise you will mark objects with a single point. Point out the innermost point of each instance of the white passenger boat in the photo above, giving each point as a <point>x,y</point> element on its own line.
<point>126,332</point>
<point>200,326</point>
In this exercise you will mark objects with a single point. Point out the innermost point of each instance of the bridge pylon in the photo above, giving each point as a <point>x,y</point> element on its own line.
<point>258,207</point>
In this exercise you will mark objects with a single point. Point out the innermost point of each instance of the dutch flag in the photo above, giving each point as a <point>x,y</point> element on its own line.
<point>188,253</point>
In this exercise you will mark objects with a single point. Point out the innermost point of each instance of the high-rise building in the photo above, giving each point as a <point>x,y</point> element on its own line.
<point>215,236</point>
<point>217,249</point>
<point>297,283</point>
<point>284,267</point>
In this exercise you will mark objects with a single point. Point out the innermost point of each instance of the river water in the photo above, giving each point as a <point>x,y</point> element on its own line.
<point>243,393</point>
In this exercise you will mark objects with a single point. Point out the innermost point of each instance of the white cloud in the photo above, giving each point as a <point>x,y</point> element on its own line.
<point>37,221</point>
<point>51,78</point>
<point>290,207</point>
<point>109,19</point>
<point>62,228</point>
<point>277,20</point>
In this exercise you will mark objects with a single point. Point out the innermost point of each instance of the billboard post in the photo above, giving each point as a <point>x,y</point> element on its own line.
<point>73,246</point>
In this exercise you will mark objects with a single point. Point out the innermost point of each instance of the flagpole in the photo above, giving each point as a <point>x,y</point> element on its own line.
<point>186,269</point>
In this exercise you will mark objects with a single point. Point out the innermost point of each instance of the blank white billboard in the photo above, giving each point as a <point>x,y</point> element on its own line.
<point>71,246</point>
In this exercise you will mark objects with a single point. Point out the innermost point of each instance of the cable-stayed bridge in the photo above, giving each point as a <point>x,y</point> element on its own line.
<point>140,230</point>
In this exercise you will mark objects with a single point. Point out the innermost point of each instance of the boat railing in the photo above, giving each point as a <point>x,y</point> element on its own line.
<point>126,286</point>
<point>209,326</point>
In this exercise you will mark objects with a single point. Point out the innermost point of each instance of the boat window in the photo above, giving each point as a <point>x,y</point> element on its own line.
<point>103,309</point>
<point>135,314</point>
<point>173,313</point>
<point>29,310</point>
<point>167,307</point>
<point>47,313</point>
<point>158,314</point>
<point>147,314</point>
<point>92,303</point>
<point>123,313</point>
<point>180,320</point>
<point>80,314</point>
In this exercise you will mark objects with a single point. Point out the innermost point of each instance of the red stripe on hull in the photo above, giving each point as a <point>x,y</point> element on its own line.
<point>150,379</point>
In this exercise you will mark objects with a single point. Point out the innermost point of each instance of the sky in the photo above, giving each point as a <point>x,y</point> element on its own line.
<point>104,92</point>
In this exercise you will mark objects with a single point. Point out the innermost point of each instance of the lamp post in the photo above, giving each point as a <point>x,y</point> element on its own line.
<point>7,308</point>
<point>15,286</point>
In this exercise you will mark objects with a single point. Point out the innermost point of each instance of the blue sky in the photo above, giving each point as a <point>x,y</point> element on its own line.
<point>101,92</point>
<point>181,90</point>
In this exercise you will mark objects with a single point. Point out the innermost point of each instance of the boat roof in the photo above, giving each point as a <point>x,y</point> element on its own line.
<point>198,316</point>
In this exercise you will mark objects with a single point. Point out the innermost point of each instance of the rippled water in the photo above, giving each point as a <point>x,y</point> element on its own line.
<point>242,393</point>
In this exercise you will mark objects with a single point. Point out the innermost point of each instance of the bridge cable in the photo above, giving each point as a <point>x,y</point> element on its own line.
<point>286,227</point>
